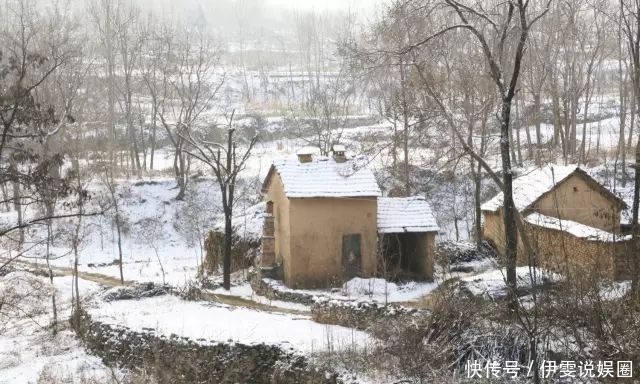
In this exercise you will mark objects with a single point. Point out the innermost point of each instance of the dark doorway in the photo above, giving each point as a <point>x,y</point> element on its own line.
<point>404,256</point>
<point>351,256</point>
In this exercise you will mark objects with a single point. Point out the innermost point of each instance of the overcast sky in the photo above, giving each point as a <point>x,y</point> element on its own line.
<point>355,5</point>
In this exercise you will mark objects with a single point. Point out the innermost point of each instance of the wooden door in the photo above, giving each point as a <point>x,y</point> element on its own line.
<point>351,256</point>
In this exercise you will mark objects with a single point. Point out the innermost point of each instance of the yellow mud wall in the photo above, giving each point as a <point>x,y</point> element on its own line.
<point>577,200</point>
<point>317,228</point>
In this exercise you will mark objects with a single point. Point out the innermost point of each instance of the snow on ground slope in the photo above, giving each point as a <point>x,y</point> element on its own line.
<point>158,232</point>
<point>492,283</point>
<point>366,290</point>
<point>29,352</point>
<point>221,323</point>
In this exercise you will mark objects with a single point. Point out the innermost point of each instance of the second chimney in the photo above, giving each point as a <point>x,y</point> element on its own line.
<point>339,153</point>
<point>305,155</point>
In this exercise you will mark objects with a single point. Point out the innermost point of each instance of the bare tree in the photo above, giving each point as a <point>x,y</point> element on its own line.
<point>322,114</point>
<point>150,233</point>
<point>226,164</point>
<point>182,87</point>
<point>504,52</point>
<point>109,182</point>
<point>35,47</point>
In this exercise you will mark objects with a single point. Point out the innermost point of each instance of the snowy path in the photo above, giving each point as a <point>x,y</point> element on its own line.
<point>109,281</point>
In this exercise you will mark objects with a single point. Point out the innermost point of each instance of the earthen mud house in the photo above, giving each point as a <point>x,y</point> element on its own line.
<point>572,221</point>
<point>327,223</point>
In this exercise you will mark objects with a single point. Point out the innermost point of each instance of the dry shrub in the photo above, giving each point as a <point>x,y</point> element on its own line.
<point>242,252</point>
<point>460,328</point>
<point>592,318</point>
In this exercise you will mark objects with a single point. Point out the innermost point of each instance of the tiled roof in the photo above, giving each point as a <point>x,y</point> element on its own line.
<point>405,214</point>
<point>323,177</point>
<point>531,185</point>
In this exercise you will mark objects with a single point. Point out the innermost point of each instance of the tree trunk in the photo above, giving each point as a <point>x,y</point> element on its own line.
<point>5,197</point>
<point>557,122</point>
<point>154,127</point>
<point>405,122</point>
<point>514,158</point>
<point>112,189</point>
<point>518,143</point>
<point>17,205</point>
<point>511,238</point>
<point>227,187</point>
<point>632,124</point>
<point>574,126</point>
<point>394,147</point>
<point>54,322</point>
<point>226,261</point>
<point>538,118</point>
<point>622,150</point>
<point>76,290</point>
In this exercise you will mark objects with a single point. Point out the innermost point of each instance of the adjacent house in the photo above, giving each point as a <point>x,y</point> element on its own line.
<point>572,220</point>
<point>323,221</point>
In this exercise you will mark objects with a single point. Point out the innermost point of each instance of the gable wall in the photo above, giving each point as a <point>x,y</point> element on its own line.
<point>281,213</point>
<point>577,200</point>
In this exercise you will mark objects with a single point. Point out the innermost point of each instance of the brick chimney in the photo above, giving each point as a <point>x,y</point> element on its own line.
<point>305,155</point>
<point>339,153</point>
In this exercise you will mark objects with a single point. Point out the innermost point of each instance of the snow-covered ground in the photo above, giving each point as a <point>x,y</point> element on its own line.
<point>29,352</point>
<point>222,323</point>
<point>162,241</point>
<point>158,232</point>
<point>369,289</point>
<point>492,283</point>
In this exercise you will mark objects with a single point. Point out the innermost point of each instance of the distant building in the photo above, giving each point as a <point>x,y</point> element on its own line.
<point>572,220</point>
<point>327,223</point>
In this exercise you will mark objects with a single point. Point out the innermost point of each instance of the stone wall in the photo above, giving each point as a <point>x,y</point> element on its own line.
<point>262,287</point>
<point>558,250</point>
<point>361,315</point>
<point>179,360</point>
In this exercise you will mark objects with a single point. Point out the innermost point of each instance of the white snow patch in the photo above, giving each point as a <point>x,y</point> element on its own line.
<point>366,290</point>
<point>29,352</point>
<point>220,323</point>
<point>615,290</point>
<point>574,228</point>
<point>493,283</point>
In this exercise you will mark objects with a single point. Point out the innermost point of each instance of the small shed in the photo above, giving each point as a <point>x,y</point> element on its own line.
<point>406,233</point>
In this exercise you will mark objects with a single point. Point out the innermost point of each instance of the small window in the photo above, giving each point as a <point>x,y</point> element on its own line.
<point>575,189</point>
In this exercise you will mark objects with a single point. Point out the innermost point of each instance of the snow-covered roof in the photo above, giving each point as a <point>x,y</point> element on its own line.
<point>339,148</point>
<point>324,177</point>
<point>405,214</point>
<point>531,186</point>
<point>576,229</point>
